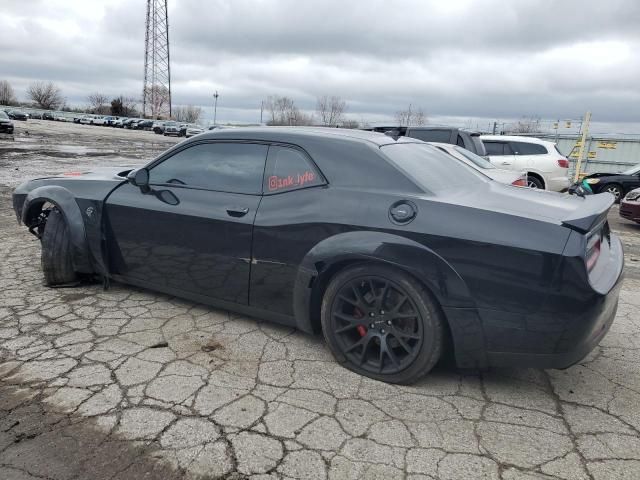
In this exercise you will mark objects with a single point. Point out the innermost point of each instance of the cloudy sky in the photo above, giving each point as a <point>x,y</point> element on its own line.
<point>461,61</point>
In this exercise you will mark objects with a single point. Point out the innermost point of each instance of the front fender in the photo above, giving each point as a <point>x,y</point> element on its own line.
<point>64,200</point>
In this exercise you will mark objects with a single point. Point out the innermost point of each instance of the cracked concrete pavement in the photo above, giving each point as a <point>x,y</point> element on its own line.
<point>127,383</point>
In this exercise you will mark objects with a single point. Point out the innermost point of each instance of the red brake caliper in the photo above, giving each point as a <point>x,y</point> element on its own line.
<point>362,330</point>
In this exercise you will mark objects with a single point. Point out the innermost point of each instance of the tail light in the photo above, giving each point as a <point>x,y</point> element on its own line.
<point>520,182</point>
<point>563,163</point>
<point>594,242</point>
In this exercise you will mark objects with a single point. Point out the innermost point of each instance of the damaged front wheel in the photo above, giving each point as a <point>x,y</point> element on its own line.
<point>57,263</point>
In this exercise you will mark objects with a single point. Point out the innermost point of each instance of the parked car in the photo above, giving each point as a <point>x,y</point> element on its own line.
<point>47,116</point>
<point>60,117</point>
<point>617,184</point>
<point>130,122</point>
<point>509,177</point>
<point>17,115</point>
<point>97,120</point>
<point>119,122</point>
<point>35,115</point>
<point>6,125</point>
<point>630,206</point>
<point>144,125</point>
<point>86,119</point>
<point>171,128</point>
<point>546,167</point>
<point>190,130</point>
<point>108,120</point>
<point>456,136</point>
<point>158,127</point>
<point>351,233</point>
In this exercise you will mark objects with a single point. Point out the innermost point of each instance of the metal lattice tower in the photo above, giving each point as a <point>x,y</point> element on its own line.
<point>156,93</point>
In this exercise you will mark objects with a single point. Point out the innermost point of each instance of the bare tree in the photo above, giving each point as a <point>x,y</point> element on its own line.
<point>98,103</point>
<point>7,96</point>
<point>157,97</point>
<point>350,123</point>
<point>122,106</point>
<point>411,117</point>
<point>526,125</point>
<point>188,114</point>
<point>331,110</point>
<point>46,95</point>
<point>283,111</point>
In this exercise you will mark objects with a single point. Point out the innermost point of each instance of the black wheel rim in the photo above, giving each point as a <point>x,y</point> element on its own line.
<point>377,325</point>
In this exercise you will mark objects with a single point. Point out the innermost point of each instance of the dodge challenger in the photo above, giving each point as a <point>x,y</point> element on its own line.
<point>395,252</point>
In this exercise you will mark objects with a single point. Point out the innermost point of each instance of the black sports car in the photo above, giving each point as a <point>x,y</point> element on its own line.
<point>617,184</point>
<point>390,248</point>
<point>17,115</point>
<point>6,125</point>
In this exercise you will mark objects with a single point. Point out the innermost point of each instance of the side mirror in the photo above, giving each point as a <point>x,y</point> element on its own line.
<point>140,178</point>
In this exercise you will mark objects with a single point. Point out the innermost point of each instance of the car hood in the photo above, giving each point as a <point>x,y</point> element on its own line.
<point>99,173</point>
<point>578,213</point>
<point>600,175</point>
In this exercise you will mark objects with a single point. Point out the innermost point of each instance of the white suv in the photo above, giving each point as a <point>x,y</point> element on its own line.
<point>546,167</point>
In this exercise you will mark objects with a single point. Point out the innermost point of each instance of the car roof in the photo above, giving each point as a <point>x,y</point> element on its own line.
<point>516,138</point>
<point>286,134</point>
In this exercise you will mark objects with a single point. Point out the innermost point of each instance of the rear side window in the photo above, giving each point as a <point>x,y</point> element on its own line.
<point>441,136</point>
<point>225,167</point>
<point>497,148</point>
<point>289,169</point>
<point>524,148</point>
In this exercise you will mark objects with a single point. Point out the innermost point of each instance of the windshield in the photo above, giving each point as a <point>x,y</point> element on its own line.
<point>3,115</point>
<point>477,160</point>
<point>430,168</point>
<point>632,170</point>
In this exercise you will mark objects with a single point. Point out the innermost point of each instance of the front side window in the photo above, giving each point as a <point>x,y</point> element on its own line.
<point>289,169</point>
<point>524,148</point>
<point>225,167</point>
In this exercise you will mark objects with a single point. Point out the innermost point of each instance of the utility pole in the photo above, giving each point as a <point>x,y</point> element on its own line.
<point>495,126</point>
<point>583,141</point>
<point>156,93</point>
<point>215,107</point>
<point>261,110</point>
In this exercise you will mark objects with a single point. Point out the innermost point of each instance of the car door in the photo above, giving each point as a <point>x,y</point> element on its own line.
<point>500,154</point>
<point>192,233</point>
<point>283,232</point>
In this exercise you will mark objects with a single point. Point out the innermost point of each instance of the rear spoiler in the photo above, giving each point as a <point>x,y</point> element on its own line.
<point>593,211</point>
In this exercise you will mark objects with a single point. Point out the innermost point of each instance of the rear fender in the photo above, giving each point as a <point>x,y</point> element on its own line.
<point>64,200</point>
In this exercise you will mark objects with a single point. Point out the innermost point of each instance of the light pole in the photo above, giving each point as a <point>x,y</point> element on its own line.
<point>215,107</point>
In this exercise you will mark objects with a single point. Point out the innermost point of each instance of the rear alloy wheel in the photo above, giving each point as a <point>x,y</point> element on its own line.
<point>614,189</point>
<point>380,322</point>
<point>534,182</point>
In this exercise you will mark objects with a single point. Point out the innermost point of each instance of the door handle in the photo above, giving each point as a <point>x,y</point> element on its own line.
<point>506,163</point>
<point>237,211</point>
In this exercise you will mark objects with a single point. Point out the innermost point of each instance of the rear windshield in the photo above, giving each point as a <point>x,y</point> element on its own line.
<point>430,168</point>
<point>480,150</point>
<point>479,161</point>
<point>442,136</point>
